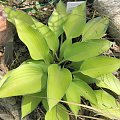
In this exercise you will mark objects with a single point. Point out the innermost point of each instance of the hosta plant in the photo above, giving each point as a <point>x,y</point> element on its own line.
<point>66,64</point>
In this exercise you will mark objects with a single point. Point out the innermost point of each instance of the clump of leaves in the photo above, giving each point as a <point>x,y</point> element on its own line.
<point>60,69</point>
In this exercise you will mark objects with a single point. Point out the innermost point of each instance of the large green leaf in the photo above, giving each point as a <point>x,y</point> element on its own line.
<point>110,82</point>
<point>73,96</point>
<point>33,40</point>
<point>85,90</point>
<point>58,112</point>
<point>95,28</point>
<point>30,102</point>
<point>26,79</point>
<point>57,19</point>
<point>100,65</point>
<point>48,34</point>
<point>13,14</point>
<point>82,50</point>
<point>107,105</point>
<point>75,22</point>
<point>58,82</point>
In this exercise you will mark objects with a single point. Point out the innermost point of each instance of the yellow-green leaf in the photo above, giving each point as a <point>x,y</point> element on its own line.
<point>38,64</point>
<point>110,82</point>
<point>97,66</point>
<point>26,79</point>
<point>33,39</point>
<point>5,78</point>
<point>13,14</point>
<point>60,8</point>
<point>85,90</point>
<point>64,46</point>
<point>56,22</point>
<point>30,102</point>
<point>73,96</point>
<point>82,50</point>
<point>107,105</point>
<point>58,112</point>
<point>48,34</point>
<point>45,104</point>
<point>85,78</point>
<point>58,82</point>
<point>75,22</point>
<point>95,28</point>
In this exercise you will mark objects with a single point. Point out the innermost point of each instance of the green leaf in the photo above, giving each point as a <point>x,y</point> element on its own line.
<point>26,79</point>
<point>76,65</point>
<point>45,104</point>
<point>85,78</point>
<point>48,34</point>
<point>75,22</point>
<point>60,8</point>
<point>56,22</point>
<point>107,105</point>
<point>95,28</point>
<point>97,66</point>
<point>58,82</point>
<point>58,112</point>
<point>17,14</point>
<point>110,82</point>
<point>33,40</point>
<point>44,100</point>
<point>38,63</point>
<point>82,50</point>
<point>58,18</point>
<point>64,46</point>
<point>30,102</point>
<point>4,79</point>
<point>73,96</point>
<point>85,90</point>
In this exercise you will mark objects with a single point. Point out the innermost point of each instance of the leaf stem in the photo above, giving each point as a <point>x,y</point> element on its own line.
<point>56,56</point>
<point>61,62</point>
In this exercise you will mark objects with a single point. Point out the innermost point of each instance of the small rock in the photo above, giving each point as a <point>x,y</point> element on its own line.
<point>110,8</point>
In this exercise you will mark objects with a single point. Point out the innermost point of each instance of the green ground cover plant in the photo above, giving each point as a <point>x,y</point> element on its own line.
<point>61,67</point>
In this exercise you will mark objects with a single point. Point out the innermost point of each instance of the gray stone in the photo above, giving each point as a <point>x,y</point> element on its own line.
<point>110,8</point>
<point>10,109</point>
